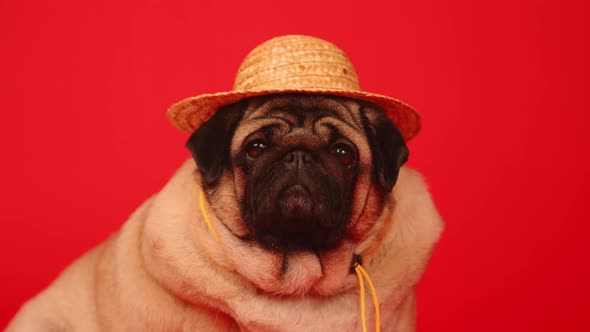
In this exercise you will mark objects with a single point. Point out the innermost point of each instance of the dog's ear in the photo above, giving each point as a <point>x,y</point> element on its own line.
<point>388,148</point>
<point>210,144</point>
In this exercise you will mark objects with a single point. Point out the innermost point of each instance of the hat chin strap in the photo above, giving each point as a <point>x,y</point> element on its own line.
<point>355,266</point>
<point>360,273</point>
<point>206,216</point>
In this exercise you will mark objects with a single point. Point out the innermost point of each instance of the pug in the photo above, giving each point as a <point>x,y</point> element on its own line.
<point>297,188</point>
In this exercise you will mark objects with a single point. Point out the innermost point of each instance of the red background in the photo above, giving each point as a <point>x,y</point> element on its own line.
<point>502,87</point>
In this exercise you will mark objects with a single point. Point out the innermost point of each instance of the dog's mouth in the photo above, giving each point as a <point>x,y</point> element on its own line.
<point>295,202</point>
<point>296,220</point>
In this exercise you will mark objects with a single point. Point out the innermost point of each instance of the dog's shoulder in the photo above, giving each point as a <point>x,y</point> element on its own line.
<point>70,295</point>
<point>28,319</point>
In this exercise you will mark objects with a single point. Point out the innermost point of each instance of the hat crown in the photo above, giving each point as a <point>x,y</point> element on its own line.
<point>296,62</point>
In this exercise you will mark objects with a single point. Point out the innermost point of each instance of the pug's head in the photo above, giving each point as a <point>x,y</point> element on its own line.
<point>297,181</point>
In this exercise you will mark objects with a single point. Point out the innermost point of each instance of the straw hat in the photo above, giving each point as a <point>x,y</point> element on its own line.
<point>293,64</point>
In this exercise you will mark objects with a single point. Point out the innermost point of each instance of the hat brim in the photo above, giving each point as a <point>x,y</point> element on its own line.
<point>190,113</point>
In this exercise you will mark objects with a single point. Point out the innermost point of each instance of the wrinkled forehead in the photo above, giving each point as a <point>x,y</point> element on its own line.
<point>296,112</point>
<point>301,108</point>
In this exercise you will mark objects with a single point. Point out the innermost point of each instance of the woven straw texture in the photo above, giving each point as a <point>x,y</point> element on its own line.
<point>293,64</point>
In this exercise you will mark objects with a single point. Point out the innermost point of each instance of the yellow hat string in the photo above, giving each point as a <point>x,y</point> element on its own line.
<point>362,274</point>
<point>206,216</point>
<point>356,265</point>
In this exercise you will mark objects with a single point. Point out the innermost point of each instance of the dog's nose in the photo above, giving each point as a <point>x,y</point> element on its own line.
<point>298,158</point>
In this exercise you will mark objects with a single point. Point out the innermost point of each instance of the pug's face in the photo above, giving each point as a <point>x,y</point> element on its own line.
<point>298,181</point>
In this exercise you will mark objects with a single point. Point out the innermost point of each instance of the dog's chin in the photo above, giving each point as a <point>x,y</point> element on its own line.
<point>300,272</point>
<point>294,273</point>
<point>307,273</point>
<point>321,273</point>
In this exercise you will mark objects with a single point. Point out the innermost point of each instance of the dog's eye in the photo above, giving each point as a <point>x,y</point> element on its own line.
<point>255,148</point>
<point>344,153</point>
